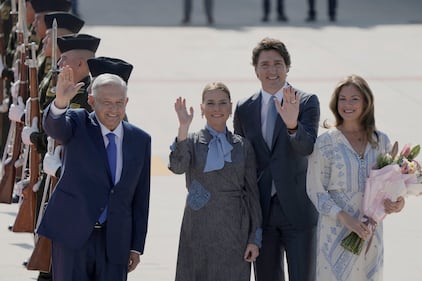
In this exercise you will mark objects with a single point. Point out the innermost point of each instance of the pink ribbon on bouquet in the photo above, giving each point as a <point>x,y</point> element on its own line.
<point>372,225</point>
<point>385,183</point>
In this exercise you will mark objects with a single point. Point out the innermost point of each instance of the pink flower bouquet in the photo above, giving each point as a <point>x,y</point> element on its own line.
<point>394,176</point>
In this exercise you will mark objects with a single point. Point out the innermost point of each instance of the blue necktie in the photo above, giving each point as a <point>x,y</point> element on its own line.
<point>271,117</point>
<point>112,162</point>
<point>269,131</point>
<point>112,155</point>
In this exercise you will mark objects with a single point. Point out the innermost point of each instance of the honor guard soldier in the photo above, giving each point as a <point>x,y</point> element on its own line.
<point>67,23</point>
<point>6,26</point>
<point>41,8</point>
<point>5,9</point>
<point>75,50</point>
<point>87,45</point>
<point>8,67</point>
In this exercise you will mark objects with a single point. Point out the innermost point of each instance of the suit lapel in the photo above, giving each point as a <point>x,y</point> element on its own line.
<point>279,127</point>
<point>126,151</point>
<point>255,118</point>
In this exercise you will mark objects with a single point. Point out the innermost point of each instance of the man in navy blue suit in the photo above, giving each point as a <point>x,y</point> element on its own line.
<point>282,124</point>
<point>97,216</point>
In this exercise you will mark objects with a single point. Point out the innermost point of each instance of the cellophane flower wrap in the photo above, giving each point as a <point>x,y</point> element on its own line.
<point>394,176</point>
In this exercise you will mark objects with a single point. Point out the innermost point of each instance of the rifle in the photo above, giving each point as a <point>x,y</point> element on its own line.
<point>2,62</point>
<point>40,259</point>
<point>7,181</point>
<point>41,255</point>
<point>25,219</point>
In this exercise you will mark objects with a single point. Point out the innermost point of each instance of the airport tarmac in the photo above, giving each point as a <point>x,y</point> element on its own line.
<point>380,40</point>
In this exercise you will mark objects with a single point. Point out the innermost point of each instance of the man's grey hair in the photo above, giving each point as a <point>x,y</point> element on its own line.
<point>108,79</point>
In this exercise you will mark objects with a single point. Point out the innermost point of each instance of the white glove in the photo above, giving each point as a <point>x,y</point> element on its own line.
<point>36,186</point>
<point>52,161</point>
<point>27,131</point>
<point>15,68</point>
<point>4,106</point>
<point>1,65</point>
<point>14,89</point>
<point>16,111</point>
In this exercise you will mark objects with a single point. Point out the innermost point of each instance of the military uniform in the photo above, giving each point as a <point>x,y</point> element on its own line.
<point>7,27</point>
<point>81,98</point>
<point>9,58</point>
<point>43,65</point>
<point>8,31</point>
<point>7,24</point>
<point>5,10</point>
<point>46,91</point>
<point>69,24</point>
<point>73,24</point>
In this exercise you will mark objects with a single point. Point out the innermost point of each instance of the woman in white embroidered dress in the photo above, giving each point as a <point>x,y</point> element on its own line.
<point>337,172</point>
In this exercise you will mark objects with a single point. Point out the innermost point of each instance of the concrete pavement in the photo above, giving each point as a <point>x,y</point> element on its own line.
<point>379,39</point>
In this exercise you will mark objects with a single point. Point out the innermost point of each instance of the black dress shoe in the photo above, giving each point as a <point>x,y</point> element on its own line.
<point>210,20</point>
<point>186,21</point>
<point>282,18</point>
<point>310,19</point>
<point>332,18</point>
<point>264,19</point>
<point>43,276</point>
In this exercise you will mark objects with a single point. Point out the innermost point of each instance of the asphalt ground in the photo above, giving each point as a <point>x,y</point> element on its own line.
<point>380,40</point>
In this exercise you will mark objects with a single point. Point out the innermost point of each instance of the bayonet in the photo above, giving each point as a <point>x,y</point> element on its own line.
<point>54,47</point>
<point>54,70</point>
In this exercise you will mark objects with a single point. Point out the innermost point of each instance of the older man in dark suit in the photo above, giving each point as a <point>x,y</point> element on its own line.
<point>97,216</point>
<point>282,125</point>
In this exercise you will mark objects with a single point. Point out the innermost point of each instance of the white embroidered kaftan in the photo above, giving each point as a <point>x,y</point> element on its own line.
<point>336,181</point>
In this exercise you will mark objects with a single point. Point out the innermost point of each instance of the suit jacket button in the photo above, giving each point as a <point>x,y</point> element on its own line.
<point>112,191</point>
